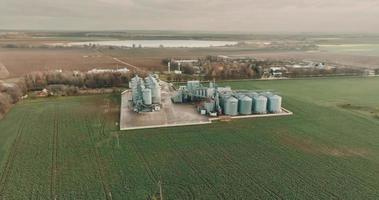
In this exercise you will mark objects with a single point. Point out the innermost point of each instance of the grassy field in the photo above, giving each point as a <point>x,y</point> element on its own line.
<point>69,148</point>
<point>360,49</point>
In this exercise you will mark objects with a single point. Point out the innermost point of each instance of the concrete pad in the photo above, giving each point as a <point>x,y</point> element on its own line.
<point>171,114</point>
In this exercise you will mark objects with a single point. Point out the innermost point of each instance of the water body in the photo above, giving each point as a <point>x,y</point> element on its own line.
<point>157,43</point>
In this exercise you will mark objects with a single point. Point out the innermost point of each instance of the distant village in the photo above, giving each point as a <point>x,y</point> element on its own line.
<point>237,67</point>
<point>62,83</point>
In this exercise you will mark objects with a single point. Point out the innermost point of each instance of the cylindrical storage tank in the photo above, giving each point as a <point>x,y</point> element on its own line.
<point>156,94</point>
<point>210,92</point>
<point>252,94</point>
<point>245,105</point>
<point>274,104</point>
<point>260,104</point>
<point>223,99</point>
<point>189,85</point>
<point>267,94</point>
<point>209,106</point>
<point>231,106</point>
<point>147,99</point>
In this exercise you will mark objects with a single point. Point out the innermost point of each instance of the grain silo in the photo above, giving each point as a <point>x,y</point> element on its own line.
<point>274,104</point>
<point>210,92</point>
<point>223,98</point>
<point>155,92</point>
<point>137,89</point>
<point>245,104</point>
<point>266,94</point>
<point>260,104</point>
<point>147,99</point>
<point>209,106</point>
<point>177,97</point>
<point>231,106</point>
<point>252,94</point>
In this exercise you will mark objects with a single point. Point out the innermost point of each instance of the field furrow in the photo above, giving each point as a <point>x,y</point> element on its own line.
<point>71,148</point>
<point>99,163</point>
<point>15,148</point>
<point>54,155</point>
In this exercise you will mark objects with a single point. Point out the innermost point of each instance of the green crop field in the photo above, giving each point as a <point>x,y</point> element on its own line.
<point>69,148</point>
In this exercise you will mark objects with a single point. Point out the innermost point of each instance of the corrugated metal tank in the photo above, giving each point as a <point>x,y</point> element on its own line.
<point>177,97</point>
<point>223,98</point>
<point>209,106</point>
<point>156,94</point>
<point>274,104</point>
<point>252,94</point>
<point>231,106</point>
<point>267,93</point>
<point>260,104</point>
<point>210,92</point>
<point>147,96</point>
<point>155,91</point>
<point>137,87</point>
<point>245,104</point>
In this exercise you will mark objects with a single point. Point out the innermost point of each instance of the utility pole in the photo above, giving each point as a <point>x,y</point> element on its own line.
<point>160,190</point>
<point>118,141</point>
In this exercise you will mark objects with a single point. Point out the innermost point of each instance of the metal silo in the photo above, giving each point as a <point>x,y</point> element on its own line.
<point>252,94</point>
<point>137,88</point>
<point>156,94</point>
<point>267,94</point>
<point>231,106</point>
<point>210,106</point>
<point>260,104</point>
<point>189,85</point>
<point>223,98</point>
<point>274,104</point>
<point>245,104</point>
<point>210,92</point>
<point>197,93</point>
<point>147,99</point>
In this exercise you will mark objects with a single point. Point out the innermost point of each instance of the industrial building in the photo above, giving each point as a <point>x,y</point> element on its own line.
<point>216,101</point>
<point>153,103</point>
<point>146,93</point>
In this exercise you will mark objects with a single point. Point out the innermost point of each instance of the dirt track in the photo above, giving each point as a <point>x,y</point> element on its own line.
<point>3,71</point>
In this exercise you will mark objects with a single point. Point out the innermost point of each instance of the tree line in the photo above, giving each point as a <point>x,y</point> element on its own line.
<point>40,80</point>
<point>66,83</point>
<point>10,93</point>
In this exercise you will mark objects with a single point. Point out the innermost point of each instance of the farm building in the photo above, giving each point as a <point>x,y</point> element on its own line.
<point>215,101</point>
<point>152,103</point>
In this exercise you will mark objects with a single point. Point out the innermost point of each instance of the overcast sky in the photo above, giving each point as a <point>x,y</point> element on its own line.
<point>206,15</point>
